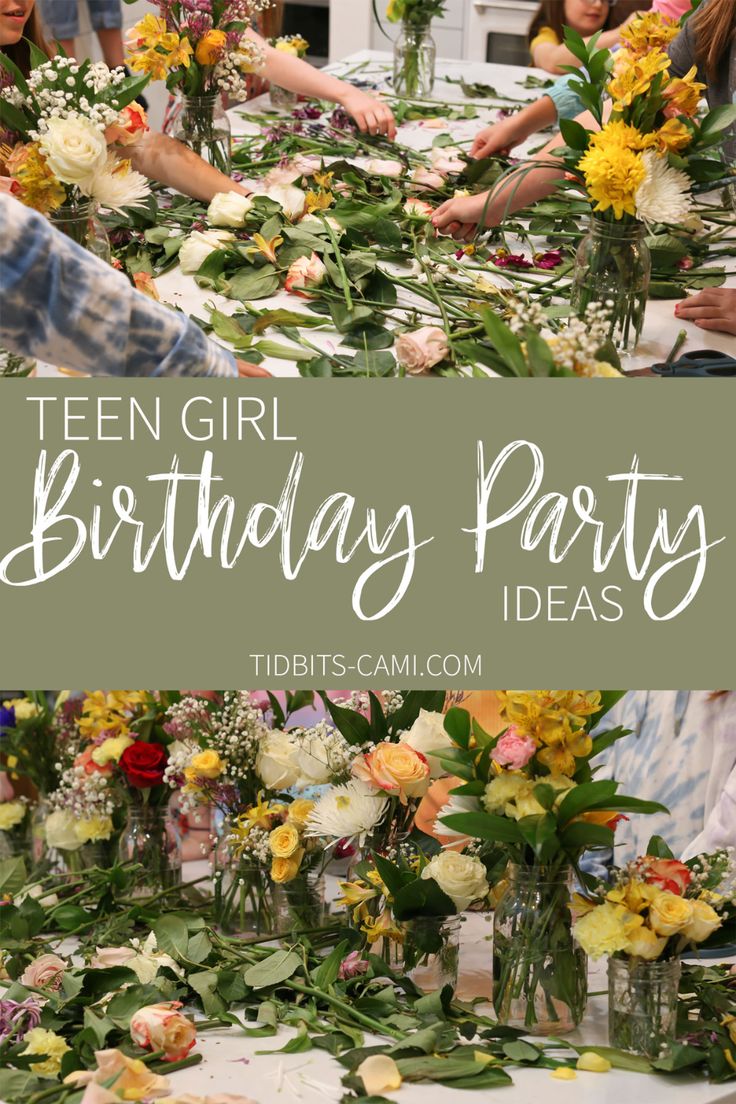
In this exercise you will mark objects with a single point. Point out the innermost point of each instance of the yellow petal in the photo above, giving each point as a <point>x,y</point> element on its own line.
<point>379,1074</point>
<point>564,1073</point>
<point>593,1063</point>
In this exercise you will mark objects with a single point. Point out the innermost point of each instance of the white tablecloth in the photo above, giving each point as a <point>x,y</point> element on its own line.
<point>231,1062</point>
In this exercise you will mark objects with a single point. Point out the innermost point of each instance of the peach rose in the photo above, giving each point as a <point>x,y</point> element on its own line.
<point>668,874</point>
<point>396,768</point>
<point>304,273</point>
<point>418,209</point>
<point>162,1027</point>
<point>112,956</point>
<point>45,972</point>
<point>132,1078</point>
<point>130,127</point>
<point>421,349</point>
<point>425,178</point>
<point>384,168</point>
<point>84,759</point>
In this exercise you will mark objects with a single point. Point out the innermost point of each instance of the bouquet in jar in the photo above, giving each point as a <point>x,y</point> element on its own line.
<point>66,124</point>
<point>529,791</point>
<point>202,49</point>
<point>652,910</point>
<point>415,52</point>
<point>240,755</point>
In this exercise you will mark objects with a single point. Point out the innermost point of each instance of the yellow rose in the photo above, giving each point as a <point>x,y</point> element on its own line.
<point>40,1041</point>
<point>643,943</point>
<point>397,769</point>
<point>210,47</point>
<point>704,922</point>
<point>207,764</point>
<point>284,841</point>
<point>605,930</point>
<point>110,750</point>
<point>286,47</point>
<point>93,829</point>
<point>669,913</point>
<point>284,870</point>
<point>11,814</point>
<point>299,810</point>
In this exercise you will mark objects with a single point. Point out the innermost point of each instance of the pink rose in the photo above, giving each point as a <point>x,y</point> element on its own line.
<point>45,972</point>
<point>447,161</point>
<point>307,164</point>
<point>112,956</point>
<point>514,750</point>
<point>384,168</point>
<point>282,174</point>
<point>352,966</point>
<point>418,209</point>
<point>420,350</point>
<point>425,178</point>
<point>162,1027</point>
<point>304,273</point>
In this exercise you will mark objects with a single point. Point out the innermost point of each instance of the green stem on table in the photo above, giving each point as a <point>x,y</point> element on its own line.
<point>340,265</point>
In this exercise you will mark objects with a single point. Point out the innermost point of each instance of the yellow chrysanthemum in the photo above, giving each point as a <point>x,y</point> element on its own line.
<point>616,132</point>
<point>37,187</point>
<point>683,94</point>
<point>633,77</point>
<point>647,32</point>
<point>53,1046</point>
<point>613,175</point>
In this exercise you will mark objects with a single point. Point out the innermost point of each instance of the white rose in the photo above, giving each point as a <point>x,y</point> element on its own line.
<point>291,200</point>
<point>276,762</point>
<point>461,877</point>
<point>74,149</point>
<point>312,762</point>
<point>61,831</point>
<point>229,209</point>
<point>428,734</point>
<point>421,350</point>
<point>198,247</point>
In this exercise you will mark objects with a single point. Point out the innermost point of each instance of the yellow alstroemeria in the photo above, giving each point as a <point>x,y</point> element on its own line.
<point>633,77</point>
<point>354,896</point>
<point>683,94</point>
<point>324,179</point>
<point>382,927</point>
<point>264,247</point>
<point>148,31</point>
<point>318,201</point>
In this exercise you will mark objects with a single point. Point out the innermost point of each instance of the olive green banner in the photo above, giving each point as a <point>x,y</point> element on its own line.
<point>365,533</point>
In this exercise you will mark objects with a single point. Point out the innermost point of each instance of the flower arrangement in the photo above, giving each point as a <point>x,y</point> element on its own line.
<point>68,122</point>
<point>295,45</point>
<point>415,13</point>
<point>415,51</point>
<point>530,792</point>
<point>198,48</point>
<point>36,735</point>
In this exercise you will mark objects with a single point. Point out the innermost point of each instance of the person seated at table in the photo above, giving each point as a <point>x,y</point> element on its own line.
<point>62,305</point>
<point>561,101</point>
<point>162,158</point>
<point>587,17</point>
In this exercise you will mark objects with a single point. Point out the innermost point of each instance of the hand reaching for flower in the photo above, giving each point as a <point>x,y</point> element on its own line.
<point>372,115</point>
<point>712,309</point>
<point>460,216</point>
<point>497,139</point>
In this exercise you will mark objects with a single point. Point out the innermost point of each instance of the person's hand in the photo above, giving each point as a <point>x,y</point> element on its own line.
<point>372,116</point>
<point>499,138</point>
<point>711,309</point>
<point>245,369</point>
<point>460,216</point>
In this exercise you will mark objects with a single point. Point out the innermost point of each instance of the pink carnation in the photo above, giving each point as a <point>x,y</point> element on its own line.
<point>514,750</point>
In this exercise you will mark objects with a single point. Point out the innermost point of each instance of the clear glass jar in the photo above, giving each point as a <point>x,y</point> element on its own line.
<point>243,897</point>
<point>613,266</point>
<point>642,1005</point>
<point>80,223</point>
<point>152,839</point>
<point>300,905</point>
<point>540,975</point>
<point>203,125</point>
<point>430,953</point>
<point>415,56</point>
<point>282,98</point>
<point>15,842</point>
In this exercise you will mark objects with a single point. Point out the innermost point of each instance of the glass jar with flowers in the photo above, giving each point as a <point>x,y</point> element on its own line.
<point>297,46</point>
<point>529,792</point>
<point>415,52</point>
<point>652,911</point>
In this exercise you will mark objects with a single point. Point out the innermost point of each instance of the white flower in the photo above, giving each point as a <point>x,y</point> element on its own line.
<point>61,831</point>
<point>313,761</point>
<point>458,803</point>
<point>74,149</point>
<point>229,209</point>
<point>143,959</point>
<point>664,194</point>
<point>198,247</point>
<point>352,809</point>
<point>428,734</point>
<point>35,892</point>
<point>461,877</point>
<point>276,762</point>
<point>116,185</point>
<point>11,814</point>
<point>291,200</point>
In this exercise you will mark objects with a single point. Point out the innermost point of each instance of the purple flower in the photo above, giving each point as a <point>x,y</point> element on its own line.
<point>307,112</point>
<point>352,966</point>
<point>551,259</point>
<point>340,120</point>
<point>18,1017</point>
<point>7,717</point>
<point>504,259</point>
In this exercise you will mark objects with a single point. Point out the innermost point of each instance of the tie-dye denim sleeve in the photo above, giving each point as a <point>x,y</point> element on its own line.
<point>62,305</point>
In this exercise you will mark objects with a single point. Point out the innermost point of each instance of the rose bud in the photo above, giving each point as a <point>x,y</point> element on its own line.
<point>162,1027</point>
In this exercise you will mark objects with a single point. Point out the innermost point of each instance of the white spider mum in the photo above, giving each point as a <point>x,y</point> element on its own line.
<point>347,811</point>
<point>117,186</point>
<point>458,803</point>
<point>664,194</point>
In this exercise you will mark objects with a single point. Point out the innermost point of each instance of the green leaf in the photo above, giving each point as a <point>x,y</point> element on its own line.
<point>457,726</point>
<point>422,897</point>
<point>13,875</point>
<point>583,797</point>
<point>285,318</point>
<point>717,120</point>
<point>659,848</point>
<point>69,917</point>
<point>619,1059</point>
<point>252,283</point>
<point>574,133</point>
<point>521,1051</point>
<point>172,935</point>
<point>272,970</point>
<point>204,985</point>
<point>582,835</point>
<point>346,320</point>
<point>505,342</point>
<point>352,725</point>
<point>326,973</point>
<point>485,826</point>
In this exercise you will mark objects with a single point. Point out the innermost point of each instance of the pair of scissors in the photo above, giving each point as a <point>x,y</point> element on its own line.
<point>700,362</point>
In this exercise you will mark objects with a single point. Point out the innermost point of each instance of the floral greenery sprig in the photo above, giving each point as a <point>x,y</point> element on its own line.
<point>414,13</point>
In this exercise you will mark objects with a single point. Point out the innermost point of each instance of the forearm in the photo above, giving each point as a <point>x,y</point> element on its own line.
<point>297,75</point>
<point>536,116</point>
<point>520,188</point>
<point>171,163</point>
<point>62,305</point>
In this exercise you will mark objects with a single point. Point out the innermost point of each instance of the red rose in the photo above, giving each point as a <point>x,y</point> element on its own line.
<point>669,874</point>
<point>144,764</point>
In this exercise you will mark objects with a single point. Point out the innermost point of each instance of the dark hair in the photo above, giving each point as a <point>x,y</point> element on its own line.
<point>714,25</point>
<point>32,32</point>
<point>551,13</point>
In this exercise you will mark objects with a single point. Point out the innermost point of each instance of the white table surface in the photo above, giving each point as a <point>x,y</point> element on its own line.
<point>231,1063</point>
<point>660,326</point>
